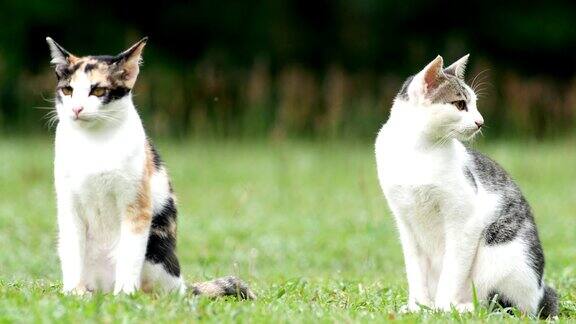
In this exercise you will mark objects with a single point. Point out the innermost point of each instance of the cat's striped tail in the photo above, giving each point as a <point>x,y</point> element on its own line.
<point>549,303</point>
<point>225,286</point>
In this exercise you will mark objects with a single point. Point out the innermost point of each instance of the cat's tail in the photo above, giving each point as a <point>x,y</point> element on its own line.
<point>225,286</point>
<point>549,303</point>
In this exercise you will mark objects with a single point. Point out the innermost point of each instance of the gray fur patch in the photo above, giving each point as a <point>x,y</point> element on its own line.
<point>515,219</point>
<point>450,89</point>
<point>491,175</point>
<point>506,227</point>
<point>403,94</point>
<point>470,176</point>
<point>501,300</point>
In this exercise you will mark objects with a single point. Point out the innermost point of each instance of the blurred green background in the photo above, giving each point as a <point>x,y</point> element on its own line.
<point>265,113</point>
<point>294,68</point>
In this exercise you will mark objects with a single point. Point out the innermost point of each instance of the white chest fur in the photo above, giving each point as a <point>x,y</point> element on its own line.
<point>100,167</point>
<point>97,175</point>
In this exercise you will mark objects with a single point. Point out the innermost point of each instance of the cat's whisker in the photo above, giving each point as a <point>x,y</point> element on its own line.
<point>108,118</point>
<point>482,86</point>
<point>52,121</point>
<point>477,76</point>
<point>444,139</point>
<point>51,100</point>
<point>50,115</point>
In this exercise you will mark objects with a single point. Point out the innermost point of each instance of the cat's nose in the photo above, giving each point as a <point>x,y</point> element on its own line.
<point>479,124</point>
<point>77,110</point>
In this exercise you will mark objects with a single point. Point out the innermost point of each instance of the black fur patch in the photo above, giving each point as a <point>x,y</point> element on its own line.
<point>75,67</point>
<point>501,300</point>
<point>115,93</point>
<point>155,156</point>
<point>89,67</point>
<point>108,59</point>
<point>196,291</point>
<point>548,305</point>
<point>162,242</point>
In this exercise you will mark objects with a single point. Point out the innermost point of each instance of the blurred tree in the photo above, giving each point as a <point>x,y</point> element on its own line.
<point>367,39</point>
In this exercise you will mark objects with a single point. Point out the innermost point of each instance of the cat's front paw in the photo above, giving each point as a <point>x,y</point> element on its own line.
<point>464,307</point>
<point>415,306</point>
<point>460,307</point>
<point>79,290</point>
<point>127,288</point>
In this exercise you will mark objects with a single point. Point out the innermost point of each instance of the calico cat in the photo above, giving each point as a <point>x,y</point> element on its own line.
<point>462,220</point>
<point>116,206</point>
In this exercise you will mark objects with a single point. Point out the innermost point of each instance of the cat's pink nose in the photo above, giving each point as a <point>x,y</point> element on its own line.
<point>479,124</point>
<point>77,110</point>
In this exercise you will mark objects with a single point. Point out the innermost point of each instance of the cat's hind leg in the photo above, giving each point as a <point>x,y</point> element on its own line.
<point>509,273</point>
<point>156,278</point>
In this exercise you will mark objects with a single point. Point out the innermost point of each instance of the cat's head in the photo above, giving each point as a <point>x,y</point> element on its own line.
<point>94,89</point>
<point>442,101</point>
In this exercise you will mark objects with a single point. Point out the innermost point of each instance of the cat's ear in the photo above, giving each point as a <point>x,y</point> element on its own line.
<point>128,62</point>
<point>428,79</point>
<point>60,56</point>
<point>458,68</point>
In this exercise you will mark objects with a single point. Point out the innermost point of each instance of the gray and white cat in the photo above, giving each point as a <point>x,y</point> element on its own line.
<point>116,206</point>
<point>462,220</point>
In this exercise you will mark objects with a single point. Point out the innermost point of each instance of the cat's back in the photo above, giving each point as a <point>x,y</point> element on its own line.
<point>490,174</point>
<point>512,213</point>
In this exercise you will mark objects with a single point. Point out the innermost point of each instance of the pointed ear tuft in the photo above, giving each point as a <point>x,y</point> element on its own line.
<point>427,80</point>
<point>458,68</point>
<point>432,73</point>
<point>129,61</point>
<point>60,56</point>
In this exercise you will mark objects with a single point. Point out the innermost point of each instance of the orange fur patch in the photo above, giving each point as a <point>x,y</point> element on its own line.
<point>73,59</point>
<point>139,213</point>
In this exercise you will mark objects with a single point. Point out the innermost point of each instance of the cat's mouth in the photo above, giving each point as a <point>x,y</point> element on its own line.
<point>81,119</point>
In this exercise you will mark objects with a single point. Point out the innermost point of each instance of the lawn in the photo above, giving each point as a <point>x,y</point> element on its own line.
<point>303,222</point>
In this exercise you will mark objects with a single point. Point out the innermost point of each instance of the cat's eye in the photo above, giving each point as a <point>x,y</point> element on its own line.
<point>461,105</point>
<point>98,91</point>
<point>67,91</point>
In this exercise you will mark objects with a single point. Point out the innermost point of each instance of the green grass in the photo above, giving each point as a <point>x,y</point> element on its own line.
<point>304,223</point>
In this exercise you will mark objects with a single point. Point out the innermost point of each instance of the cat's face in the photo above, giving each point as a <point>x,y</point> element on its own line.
<point>444,103</point>
<point>91,89</point>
